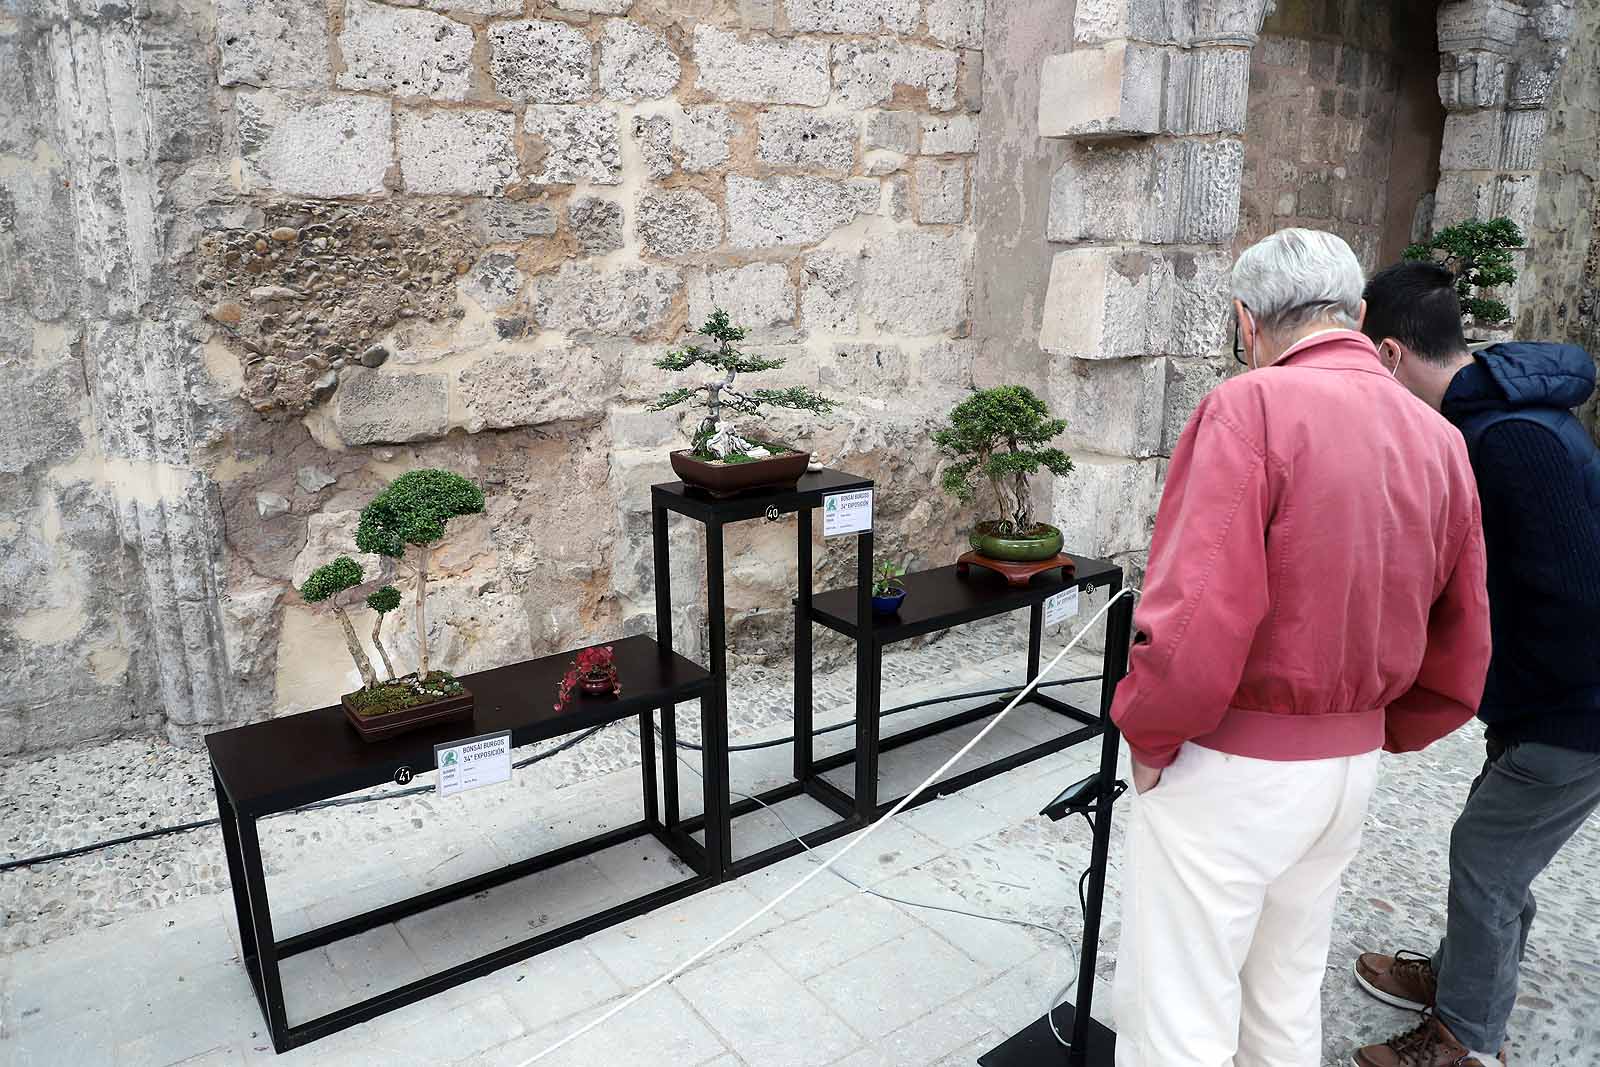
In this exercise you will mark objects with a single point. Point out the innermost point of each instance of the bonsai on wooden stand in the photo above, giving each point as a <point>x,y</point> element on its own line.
<point>997,440</point>
<point>722,460</point>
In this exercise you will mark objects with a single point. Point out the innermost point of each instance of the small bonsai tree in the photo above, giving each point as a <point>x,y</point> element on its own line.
<point>713,440</point>
<point>325,584</point>
<point>1480,255</point>
<point>886,578</point>
<point>1001,435</point>
<point>383,601</point>
<point>412,512</point>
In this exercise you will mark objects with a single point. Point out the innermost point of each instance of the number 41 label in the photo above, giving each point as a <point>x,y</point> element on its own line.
<point>1061,607</point>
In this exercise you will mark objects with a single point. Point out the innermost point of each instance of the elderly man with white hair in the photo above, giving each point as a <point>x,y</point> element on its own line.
<point>1315,593</point>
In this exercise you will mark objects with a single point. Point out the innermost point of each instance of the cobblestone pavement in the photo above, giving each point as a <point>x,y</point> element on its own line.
<point>127,956</point>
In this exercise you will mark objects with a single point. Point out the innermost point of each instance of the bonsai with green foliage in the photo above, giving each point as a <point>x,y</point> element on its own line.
<point>1480,256</point>
<point>886,578</point>
<point>325,584</point>
<point>412,513</point>
<point>714,440</point>
<point>1001,436</point>
<point>382,602</point>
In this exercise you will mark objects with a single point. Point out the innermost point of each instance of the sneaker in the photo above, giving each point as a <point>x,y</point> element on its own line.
<point>1405,980</point>
<point>1430,1044</point>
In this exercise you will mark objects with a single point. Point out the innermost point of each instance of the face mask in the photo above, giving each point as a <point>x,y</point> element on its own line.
<point>1394,371</point>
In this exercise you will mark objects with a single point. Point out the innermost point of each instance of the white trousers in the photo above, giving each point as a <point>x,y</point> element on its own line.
<point>1227,908</point>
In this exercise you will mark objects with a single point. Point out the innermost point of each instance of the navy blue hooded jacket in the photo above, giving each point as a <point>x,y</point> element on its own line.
<point>1538,476</point>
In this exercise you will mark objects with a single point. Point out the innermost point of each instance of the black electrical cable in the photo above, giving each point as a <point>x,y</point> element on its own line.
<point>576,739</point>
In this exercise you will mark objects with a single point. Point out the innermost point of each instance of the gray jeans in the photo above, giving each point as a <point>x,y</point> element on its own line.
<point>1528,802</point>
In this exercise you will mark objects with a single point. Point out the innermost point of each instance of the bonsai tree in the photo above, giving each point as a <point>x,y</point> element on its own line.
<point>713,440</point>
<point>325,584</point>
<point>1002,436</point>
<point>886,578</point>
<point>383,601</point>
<point>412,512</point>
<point>1480,255</point>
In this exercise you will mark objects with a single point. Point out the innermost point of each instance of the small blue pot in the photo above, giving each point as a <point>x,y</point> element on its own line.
<point>888,605</point>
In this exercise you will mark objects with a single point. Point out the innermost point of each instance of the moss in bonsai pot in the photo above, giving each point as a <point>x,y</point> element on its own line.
<point>999,438</point>
<point>715,440</point>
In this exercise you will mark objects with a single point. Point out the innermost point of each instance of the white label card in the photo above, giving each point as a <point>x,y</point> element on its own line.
<point>475,762</point>
<point>847,513</point>
<point>1061,607</point>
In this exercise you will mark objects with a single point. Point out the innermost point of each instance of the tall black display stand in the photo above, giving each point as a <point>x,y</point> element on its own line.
<point>810,493</point>
<point>1092,1045</point>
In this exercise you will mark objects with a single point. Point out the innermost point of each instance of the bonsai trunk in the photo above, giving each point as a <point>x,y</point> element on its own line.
<point>422,614</point>
<point>377,643</point>
<point>1024,519</point>
<point>364,665</point>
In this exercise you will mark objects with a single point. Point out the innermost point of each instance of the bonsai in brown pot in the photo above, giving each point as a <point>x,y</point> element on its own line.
<point>722,460</point>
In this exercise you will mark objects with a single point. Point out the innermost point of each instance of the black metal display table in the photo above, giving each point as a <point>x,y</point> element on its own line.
<point>283,763</point>
<point>810,493</point>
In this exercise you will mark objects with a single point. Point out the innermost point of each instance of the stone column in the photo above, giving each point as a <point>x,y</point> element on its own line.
<point>1152,100</point>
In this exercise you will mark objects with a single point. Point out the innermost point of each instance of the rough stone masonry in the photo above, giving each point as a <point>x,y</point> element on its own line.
<point>257,257</point>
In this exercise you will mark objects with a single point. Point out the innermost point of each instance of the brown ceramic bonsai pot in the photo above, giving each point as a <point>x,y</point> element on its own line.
<point>392,723</point>
<point>598,683</point>
<point>731,479</point>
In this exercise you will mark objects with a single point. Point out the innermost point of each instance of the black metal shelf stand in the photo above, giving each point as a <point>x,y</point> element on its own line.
<point>281,764</point>
<point>808,495</point>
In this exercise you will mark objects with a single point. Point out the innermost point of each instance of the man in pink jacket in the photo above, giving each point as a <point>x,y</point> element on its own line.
<point>1315,593</point>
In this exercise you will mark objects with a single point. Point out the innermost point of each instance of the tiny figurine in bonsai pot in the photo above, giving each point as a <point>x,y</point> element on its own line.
<point>410,512</point>
<point>1002,436</point>
<point>593,671</point>
<point>887,592</point>
<point>1480,254</point>
<point>721,460</point>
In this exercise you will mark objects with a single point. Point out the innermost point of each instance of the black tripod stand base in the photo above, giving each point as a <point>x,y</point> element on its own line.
<point>1037,1046</point>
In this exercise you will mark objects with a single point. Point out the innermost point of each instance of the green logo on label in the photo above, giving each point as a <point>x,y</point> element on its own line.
<point>449,759</point>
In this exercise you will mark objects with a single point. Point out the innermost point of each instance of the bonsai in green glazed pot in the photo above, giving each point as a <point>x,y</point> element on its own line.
<point>997,439</point>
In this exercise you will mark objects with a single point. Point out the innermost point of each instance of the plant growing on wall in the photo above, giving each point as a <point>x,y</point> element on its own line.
<point>412,513</point>
<point>1480,256</point>
<point>382,602</point>
<point>999,438</point>
<point>714,440</point>
<point>325,584</point>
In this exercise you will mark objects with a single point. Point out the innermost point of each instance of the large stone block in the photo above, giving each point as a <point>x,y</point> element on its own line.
<point>764,213</point>
<point>1523,139</point>
<point>1188,382</point>
<point>1479,25</point>
<point>830,294</point>
<point>330,534</point>
<point>1207,90</point>
<point>760,70</point>
<point>852,16</point>
<point>273,43</point>
<point>677,222</point>
<point>596,223</point>
<point>313,146</point>
<point>1471,140</point>
<point>1107,505</point>
<point>916,282</point>
<point>946,365</point>
<point>1472,80</point>
<point>1112,406</point>
<point>956,22</point>
<point>895,131</point>
<point>636,62</point>
<point>1114,90</point>
<point>868,367</point>
<point>376,408</point>
<point>535,387</point>
<point>630,302</point>
<point>582,143</point>
<point>799,137</point>
<point>405,52</point>
<point>494,282</point>
<point>513,221</point>
<point>540,62</point>
<point>1105,303</point>
<point>463,153</point>
<point>1100,21</point>
<point>868,74</point>
<point>941,191</point>
<point>758,297</point>
<point>44,425</point>
<point>949,135</point>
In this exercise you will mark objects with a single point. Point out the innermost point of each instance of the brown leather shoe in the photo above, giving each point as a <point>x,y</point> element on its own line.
<point>1431,1044</point>
<point>1405,979</point>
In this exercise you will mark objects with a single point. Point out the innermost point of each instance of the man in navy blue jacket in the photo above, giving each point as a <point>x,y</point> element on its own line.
<point>1538,475</point>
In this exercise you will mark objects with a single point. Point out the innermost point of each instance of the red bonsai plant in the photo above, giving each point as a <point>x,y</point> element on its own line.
<point>594,670</point>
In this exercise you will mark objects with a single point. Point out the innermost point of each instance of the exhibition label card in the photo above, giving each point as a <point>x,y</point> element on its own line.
<point>1061,607</point>
<point>847,513</point>
<point>475,762</point>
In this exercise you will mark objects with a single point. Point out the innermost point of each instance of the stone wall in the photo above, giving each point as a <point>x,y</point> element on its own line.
<point>1344,125</point>
<point>258,258</point>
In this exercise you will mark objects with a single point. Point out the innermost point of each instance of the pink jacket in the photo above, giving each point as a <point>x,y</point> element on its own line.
<point>1316,581</point>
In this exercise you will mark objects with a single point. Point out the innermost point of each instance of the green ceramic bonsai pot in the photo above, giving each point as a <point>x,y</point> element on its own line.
<point>1044,544</point>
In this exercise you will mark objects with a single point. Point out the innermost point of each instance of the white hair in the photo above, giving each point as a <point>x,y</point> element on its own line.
<point>1296,276</point>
